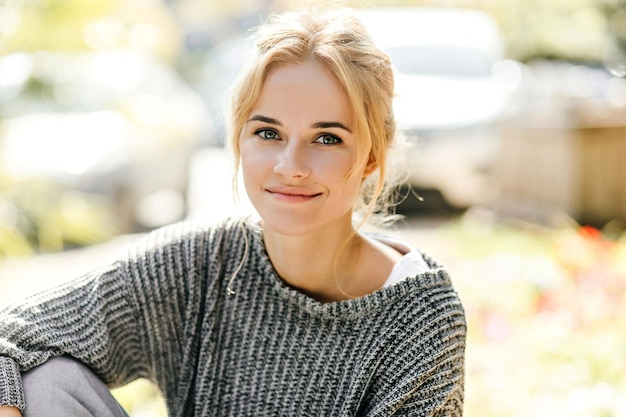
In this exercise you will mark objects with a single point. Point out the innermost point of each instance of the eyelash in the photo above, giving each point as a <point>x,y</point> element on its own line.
<point>336,139</point>
<point>262,132</point>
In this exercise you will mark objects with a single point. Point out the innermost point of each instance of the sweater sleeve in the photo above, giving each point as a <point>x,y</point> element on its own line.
<point>137,317</point>
<point>89,319</point>
<point>423,374</point>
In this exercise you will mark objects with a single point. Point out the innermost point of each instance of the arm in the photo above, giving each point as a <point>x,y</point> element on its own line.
<point>89,319</point>
<point>125,321</point>
<point>437,391</point>
<point>422,374</point>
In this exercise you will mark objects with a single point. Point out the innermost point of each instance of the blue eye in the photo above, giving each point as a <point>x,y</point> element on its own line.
<point>267,134</point>
<point>327,139</point>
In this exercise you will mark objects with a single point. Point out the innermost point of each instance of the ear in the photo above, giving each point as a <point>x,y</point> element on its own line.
<point>369,167</point>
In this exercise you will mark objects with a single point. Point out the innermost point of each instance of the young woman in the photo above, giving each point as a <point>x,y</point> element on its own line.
<point>300,312</point>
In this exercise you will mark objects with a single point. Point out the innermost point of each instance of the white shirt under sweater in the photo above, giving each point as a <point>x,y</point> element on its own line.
<point>411,264</point>
<point>162,311</point>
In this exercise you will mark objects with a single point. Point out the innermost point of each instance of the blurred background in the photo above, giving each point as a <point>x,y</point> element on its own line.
<point>111,125</point>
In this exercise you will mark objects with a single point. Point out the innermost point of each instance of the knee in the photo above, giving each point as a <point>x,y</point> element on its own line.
<point>57,374</point>
<point>63,386</point>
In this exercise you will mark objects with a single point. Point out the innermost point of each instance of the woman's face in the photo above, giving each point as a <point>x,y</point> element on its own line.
<point>298,147</point>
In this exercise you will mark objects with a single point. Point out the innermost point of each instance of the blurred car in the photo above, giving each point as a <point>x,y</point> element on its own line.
<point>120,124</point>
<point>568,94</point>
<point>448,103</point>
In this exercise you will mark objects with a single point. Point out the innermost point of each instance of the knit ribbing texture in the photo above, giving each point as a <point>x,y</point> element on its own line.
<point>162,311</point>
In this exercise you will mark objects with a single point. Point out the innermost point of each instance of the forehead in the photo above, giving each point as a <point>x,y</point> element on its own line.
<point>306,88</point>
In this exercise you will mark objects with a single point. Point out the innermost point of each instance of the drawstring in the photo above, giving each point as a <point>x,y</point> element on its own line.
<point>229,290</point>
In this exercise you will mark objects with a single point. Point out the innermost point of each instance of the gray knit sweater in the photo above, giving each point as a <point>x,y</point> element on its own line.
<point>162,311</point>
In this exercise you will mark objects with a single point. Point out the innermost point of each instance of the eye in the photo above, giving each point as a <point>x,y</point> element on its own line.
<point>327,139</point>
<point>267,134</point>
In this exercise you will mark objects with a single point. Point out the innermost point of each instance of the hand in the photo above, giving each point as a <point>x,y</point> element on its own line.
<point>6,411</point>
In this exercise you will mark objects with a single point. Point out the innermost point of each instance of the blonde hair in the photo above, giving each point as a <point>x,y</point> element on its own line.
<point>339,41</point>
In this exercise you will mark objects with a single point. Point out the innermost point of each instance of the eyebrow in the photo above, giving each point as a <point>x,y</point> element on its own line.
<point>317,125</point>
<point>265,119</point>
<point>330,125</point>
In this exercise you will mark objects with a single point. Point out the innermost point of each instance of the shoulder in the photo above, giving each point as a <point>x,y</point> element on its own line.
<point>188,233</point>
<point>427,322</point>
<point>188,245</point>
<point>418,359</point>
<point>424,308</point>
<point>188,257</point>
<point>430,298</point>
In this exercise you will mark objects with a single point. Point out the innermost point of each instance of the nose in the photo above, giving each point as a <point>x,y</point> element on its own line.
<point>292,161</point>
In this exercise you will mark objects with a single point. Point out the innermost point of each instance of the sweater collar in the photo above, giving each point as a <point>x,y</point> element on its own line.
<point>436,275</point>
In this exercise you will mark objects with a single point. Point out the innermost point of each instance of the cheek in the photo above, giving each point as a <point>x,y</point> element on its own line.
<point>247,163</point>
<point>336,173</point>
<point>244,157</point>
<point>249,154</point>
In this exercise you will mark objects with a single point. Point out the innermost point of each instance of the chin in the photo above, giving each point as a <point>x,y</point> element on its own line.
<point>288,225</point>
<point>300,224</point>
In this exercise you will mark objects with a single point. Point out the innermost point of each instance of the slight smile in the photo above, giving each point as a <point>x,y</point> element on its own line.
<point>291,194</point>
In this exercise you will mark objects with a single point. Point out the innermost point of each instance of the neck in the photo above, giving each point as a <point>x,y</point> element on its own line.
<point>317,264</point>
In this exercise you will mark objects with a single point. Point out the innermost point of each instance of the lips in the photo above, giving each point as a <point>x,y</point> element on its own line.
<point>292,194</point>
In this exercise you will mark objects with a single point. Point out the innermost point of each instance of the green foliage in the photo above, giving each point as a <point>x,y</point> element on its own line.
<point>574,30</point>
<point>615,14</point>
<point>53,24</point>
<point>36,216</point>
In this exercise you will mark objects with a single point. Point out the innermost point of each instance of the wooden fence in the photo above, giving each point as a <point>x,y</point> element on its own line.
<point>577,169</point>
